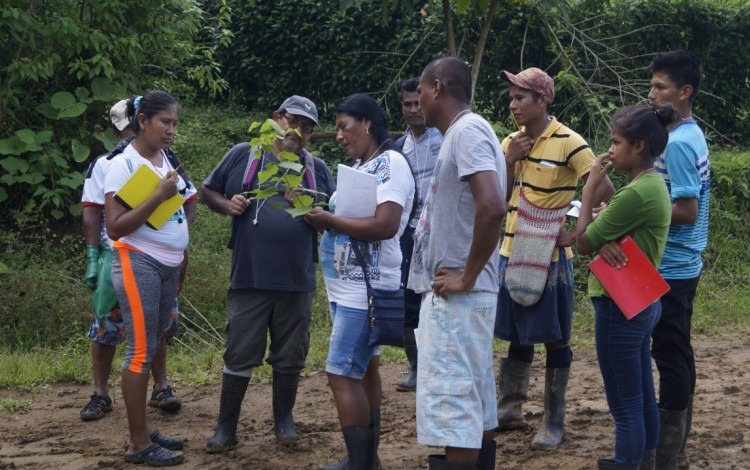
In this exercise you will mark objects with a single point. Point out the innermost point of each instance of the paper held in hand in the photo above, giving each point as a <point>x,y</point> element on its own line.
<point>355,193</point>
<point>633,287</point>
<point>142,184</point>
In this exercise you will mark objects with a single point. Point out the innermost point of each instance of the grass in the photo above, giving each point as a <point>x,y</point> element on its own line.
<point>45,309</point>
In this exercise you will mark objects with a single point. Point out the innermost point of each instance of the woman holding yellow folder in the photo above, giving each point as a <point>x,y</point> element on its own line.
<point>146,263</point>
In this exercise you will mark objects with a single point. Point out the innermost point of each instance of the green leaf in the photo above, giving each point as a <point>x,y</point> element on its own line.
<point>106,90</point>
<point>73,111</point>
<point>3,268</point>
<point>298,211</point>
<point>291,166</point>
<point>266,192</point>
<point>56,213</point>
<point>3,197</point>
<point>72,181</point>
<point>12,146</point>
<point>47,111</point>
<point>14,165</point>
<point>289,156</point>
<point>82,94</point>
<point>292,181</point>
<point>44,136</point>
<point>107,138</point>
<point>27,136</point>
<point>80,151</point>
<point>253,125</point>
<point>269,172</point>
<point>62,100</point>
<point>304,201</point>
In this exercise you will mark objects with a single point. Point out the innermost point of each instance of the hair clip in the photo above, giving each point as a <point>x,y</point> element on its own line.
<point>137,101</point>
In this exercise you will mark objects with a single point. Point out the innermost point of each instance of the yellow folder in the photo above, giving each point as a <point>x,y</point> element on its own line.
<point>142,184</point>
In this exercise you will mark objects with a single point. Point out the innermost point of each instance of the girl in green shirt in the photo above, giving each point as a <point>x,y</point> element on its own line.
<point>641,209</point>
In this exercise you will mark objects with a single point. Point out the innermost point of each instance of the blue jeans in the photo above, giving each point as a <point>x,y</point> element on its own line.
<point>624,354</point>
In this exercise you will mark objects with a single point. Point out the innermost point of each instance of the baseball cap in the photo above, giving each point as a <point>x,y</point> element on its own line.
<point>300,106</point>
<point>532,79</point>
<point>118,114</point>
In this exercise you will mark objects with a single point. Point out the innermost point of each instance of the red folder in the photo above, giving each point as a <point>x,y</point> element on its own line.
<point>633,287</point>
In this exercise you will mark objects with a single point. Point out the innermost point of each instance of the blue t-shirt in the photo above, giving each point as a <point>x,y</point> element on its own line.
<point>686,170</point>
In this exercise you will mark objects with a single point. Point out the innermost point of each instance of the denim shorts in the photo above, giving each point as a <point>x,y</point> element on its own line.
<point>110,329</point>
<point>348,352</point>
<point>456,398</point>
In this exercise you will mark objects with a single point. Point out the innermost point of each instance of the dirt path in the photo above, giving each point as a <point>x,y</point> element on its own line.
<point>51,435</point>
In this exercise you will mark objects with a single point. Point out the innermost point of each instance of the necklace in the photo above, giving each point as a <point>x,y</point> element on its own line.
<point>647,170</point>
<point>465,111</point>
<point>373,153</point>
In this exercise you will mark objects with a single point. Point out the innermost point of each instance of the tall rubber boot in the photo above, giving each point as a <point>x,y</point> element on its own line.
<point>343,464</point>
<point>486,459</point>
<point>409,383</point>
<point>683,462</point>
<point>284,397</point>
<point>360,447</point>
<point>551,432</point>
<point>233,388</point>
<point>513,387</point>
<point>438,462</point>
<point>608,464</point>
<point>672,432</point>
<point>649,460</point>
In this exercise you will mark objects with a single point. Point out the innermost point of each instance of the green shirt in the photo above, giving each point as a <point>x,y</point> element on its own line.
<point>641,209</point>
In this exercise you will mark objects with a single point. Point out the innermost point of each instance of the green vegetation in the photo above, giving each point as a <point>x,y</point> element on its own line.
<point>45,310</point>
<point>63,63</point>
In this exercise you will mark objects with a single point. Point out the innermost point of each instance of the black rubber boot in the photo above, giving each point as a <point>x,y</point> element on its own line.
<point>409,383</point>
<point>360,447</point>
<point>649,460</point>
<point>551,432</point>
<point>438,462</point>
<point>671,434</point>
<point>513,387</point>
<point>343,464</point>
<point>486,460</point>
<point>683,462</point>
<point>284,397</point>
<point>233,388</point>
<point>609,464</point>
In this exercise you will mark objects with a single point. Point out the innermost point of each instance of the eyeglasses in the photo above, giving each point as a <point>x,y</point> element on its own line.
<point>298,124</point>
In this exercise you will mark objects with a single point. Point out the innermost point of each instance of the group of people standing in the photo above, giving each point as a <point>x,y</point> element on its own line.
<point>443,191</point>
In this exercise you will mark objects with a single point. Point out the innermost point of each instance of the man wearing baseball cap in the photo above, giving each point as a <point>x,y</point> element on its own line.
<point>272,281</point>
<point>544,160</point>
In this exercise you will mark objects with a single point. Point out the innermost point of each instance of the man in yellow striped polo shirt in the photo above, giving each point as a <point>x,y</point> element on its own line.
<point>545,160</point>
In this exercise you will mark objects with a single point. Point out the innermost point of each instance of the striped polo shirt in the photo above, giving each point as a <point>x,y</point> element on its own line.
<point>686,170</point>
<point>549,175</point>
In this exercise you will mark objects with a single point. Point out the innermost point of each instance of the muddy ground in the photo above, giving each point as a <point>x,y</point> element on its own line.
<point>51,435</point>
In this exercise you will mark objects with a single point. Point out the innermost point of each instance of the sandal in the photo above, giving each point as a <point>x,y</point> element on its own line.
<point>156,455</point>
<point>170,443</point>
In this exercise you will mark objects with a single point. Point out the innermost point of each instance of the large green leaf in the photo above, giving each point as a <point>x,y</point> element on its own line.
<point>47,111</point>
<point>44,136</point>
<point>106,90</point>
<point>3,197</point>
<point>3,268</point>
<point>107,138</point>
<point>297,211</point>
<point>14,165</point>
<point>62,100</point>
<point>80,151</point>
<point>27,136</point>
<point>73,111</point>
<point>287,165</point>
<point>12,146</point>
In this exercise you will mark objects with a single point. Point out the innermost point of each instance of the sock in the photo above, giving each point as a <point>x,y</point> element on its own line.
<point>522,353</point>
<point>560,358</point>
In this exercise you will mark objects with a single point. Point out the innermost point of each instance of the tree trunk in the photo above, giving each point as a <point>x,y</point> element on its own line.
<point>450,34</point>
<point>479,51</point>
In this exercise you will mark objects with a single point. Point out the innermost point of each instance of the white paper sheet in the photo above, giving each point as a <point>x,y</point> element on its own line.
<point>355,193</point>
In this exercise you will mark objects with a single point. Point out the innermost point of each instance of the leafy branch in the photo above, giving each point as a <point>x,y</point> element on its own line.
<point>286,173</point>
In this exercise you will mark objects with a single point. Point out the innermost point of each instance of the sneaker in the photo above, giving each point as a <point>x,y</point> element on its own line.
<point>96,408</point>
<point>165,400</point>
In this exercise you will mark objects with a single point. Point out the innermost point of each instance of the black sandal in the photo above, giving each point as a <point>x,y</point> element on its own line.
<point>171,443</point>
<point>156,455</point>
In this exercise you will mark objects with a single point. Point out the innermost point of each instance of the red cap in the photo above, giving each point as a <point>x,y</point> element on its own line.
<point>532,79</point>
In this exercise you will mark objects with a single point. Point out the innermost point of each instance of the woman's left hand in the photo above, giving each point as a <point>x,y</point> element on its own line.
<point>319,219</point>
